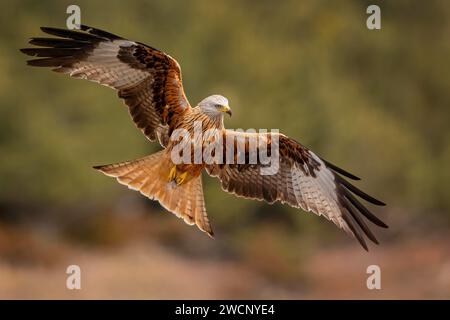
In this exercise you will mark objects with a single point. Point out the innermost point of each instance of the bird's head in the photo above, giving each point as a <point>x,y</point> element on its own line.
<point>215,106</point>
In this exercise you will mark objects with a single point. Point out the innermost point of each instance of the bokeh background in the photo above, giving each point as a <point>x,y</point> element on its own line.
<point>374,102</point>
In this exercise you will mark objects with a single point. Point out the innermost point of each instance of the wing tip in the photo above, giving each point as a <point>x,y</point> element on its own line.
<point>48,29</point>
<point>381,203</point>
<point>340,170</point>
<point>357,191</point>
<point>99,168</point>
<point>42,62</point>
<point>383,225</point>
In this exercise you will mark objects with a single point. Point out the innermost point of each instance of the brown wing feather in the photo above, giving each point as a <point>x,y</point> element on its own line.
<point>303,180</point>
<point>147,79</point>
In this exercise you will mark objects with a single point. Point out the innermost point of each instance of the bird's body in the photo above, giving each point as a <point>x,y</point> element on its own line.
<point>150,83</point>
<point>192,169</point>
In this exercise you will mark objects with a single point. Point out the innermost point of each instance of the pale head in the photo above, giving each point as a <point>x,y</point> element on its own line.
<point>215,106</point>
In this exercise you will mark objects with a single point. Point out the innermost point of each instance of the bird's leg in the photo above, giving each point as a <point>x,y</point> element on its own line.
<point>181,178</point>
<point>172,174</point>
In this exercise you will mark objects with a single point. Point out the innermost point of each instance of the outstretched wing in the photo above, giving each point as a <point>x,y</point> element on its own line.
<point>302,180</point>
<point>147,79</point>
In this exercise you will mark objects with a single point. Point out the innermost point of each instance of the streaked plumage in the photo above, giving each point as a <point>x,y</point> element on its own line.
<point>149,81</point>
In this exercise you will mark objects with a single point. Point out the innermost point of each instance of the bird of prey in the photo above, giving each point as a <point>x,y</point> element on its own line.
<point>149,82</point>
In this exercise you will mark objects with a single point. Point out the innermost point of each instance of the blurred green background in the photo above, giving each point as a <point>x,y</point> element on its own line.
<point>373,102</point>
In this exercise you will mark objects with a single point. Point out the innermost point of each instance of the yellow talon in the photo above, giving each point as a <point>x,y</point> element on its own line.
<point>172,173</point>
<point>181,178</point>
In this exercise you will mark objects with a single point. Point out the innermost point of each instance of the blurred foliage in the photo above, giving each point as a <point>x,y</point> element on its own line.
<point>374,102</point>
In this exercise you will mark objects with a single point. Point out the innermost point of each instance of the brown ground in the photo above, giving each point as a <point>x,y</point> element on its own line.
<point>147,270</point>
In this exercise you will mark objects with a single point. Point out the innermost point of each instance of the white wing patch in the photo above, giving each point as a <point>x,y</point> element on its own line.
<point>318,194</point>
<point>103,66</point>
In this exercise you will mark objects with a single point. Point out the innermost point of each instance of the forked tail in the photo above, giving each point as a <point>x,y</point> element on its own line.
<point>148,175</point>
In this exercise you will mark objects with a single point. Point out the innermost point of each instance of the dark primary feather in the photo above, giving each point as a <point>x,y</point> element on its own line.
<point>353,210</point>
<point>57,43</point>
<point>75,35</point>
<point>358,236</point>
<point>361,208</point>
<point>357,217</point>
<point>50,52</point>
<point>48,62</point>
<point>73,46</point>
<point>100,33</point>
<point>358,192</point>
<point>340,170</point>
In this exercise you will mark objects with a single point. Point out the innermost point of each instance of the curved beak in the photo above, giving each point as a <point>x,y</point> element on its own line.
<point>226,109</point>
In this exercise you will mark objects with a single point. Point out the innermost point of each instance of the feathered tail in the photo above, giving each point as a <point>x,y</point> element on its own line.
<point>148,175</point>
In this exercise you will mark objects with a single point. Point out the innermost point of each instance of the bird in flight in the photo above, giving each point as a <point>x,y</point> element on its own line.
<point>149,81</point>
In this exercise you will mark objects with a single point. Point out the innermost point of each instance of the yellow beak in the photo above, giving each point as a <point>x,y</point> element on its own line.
<point>226,109</point>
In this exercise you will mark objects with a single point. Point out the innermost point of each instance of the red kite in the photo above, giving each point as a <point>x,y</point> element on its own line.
<point>149,81</point>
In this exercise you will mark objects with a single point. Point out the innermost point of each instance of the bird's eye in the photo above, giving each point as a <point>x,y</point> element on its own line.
<point>218,106</point>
